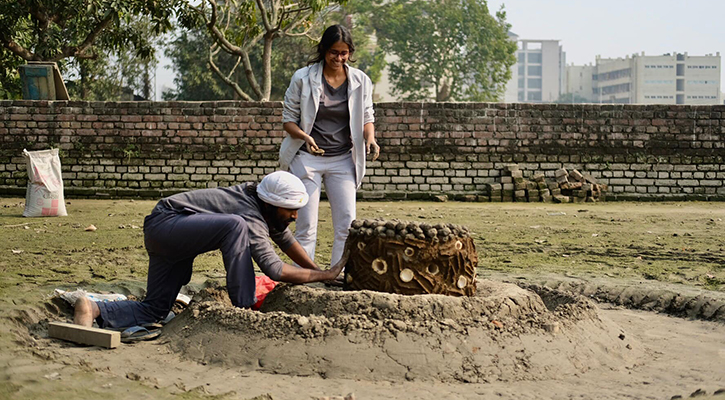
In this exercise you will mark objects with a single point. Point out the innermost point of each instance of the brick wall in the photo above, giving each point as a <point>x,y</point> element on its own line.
<point>151,149</point>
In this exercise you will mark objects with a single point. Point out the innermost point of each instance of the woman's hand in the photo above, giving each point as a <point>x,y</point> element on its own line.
<point>373,148</point>
<point>312,147</point>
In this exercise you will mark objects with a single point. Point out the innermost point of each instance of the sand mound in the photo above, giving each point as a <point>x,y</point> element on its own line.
<point>504,333</point>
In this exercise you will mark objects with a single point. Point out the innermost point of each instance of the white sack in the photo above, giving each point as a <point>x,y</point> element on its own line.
<point>44,196</point>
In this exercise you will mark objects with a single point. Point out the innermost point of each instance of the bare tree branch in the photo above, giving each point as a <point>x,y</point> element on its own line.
<point>303,34</point>
<point>239,60</point>
<point>228,81</point>
<point>21,51</point>
<point>267,62</point>
<point>249,72</point>
<point>69,51</point>
<point>234,50</point>
<point>263,12</point>
<point>276,8</point>
<point>221,38</point>
<point>301,15</point>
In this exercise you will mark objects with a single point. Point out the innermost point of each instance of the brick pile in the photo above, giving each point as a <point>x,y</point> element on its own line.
<point>575,187</point>
<point>569,187</point>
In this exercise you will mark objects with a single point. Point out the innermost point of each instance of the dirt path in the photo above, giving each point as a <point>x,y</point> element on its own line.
<point>679,357</point>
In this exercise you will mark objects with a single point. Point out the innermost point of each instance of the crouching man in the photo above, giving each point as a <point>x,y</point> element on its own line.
<point>238,220</point>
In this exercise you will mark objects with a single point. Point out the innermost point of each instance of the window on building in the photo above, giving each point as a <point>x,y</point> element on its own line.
<point>618,74</point>
<point>534,83</point>
<point>522,69</point>
<point>522,57</point>
<point>521,95</point>
<point>535,70</point>
<point>534,58</point>
<point>534,96</point>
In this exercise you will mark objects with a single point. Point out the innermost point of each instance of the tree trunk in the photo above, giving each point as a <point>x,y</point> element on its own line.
<point>444,94</point>
<point>147,82</point>
<point>267,65</point>
<point>84,80</point>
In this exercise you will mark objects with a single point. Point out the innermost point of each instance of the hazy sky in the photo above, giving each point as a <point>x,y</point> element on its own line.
<point>610,28</point>
<point>616,28</point>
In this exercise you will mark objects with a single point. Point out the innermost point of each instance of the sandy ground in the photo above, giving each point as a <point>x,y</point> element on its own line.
<point>677,357</point>
<point>673,247</point>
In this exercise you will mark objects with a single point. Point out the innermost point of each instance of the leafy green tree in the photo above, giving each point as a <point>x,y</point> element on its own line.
<point>571,98</point>
<point>10,86</point>
<point>357,15</point>
<point>195,80</point>
<point>114,74</point>
<point>111,77</point>
<point>241,28</point>
<point>58,30</point>
<point>445,49</point>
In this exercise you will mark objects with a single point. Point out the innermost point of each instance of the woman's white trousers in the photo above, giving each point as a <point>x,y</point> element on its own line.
<point>338,175</point>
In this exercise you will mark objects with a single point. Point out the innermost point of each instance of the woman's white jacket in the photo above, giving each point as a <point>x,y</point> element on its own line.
<point>301,102</point>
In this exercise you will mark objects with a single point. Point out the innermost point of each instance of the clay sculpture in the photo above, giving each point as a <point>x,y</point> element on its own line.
<point>411,258</point>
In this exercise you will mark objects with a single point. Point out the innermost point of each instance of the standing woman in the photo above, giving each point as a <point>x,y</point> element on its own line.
<point>328,116</point>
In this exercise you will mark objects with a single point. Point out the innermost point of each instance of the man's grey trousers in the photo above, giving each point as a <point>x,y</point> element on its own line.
<point>173,240</point>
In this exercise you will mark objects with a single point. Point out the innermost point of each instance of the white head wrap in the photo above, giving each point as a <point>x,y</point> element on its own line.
<point>282,189</point>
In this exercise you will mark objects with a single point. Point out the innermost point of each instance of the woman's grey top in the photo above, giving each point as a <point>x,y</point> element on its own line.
<point>331,130</point>
<point>236,200</point>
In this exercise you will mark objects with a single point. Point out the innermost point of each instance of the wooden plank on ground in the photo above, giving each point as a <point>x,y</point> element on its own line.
<point>84,335</point>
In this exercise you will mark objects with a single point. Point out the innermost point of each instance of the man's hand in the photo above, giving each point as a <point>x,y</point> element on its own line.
<point>294,274</point>
<point>337,268</point>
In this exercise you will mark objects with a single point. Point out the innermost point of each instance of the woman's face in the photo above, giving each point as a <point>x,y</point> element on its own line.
<point>337,55</point>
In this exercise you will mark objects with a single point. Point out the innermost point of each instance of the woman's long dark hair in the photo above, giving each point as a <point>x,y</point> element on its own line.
<point>332,35</point>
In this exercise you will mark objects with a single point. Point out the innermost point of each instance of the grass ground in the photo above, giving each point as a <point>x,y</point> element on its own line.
<point>680,243</point>
<point>671,242</point>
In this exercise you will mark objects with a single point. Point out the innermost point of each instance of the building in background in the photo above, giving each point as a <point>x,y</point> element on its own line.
<point>676,78</point>
<point>511,93</point>
<point>540,72</point>
<point>579,85</point>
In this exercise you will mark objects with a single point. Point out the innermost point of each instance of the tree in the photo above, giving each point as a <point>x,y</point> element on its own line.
<point>58,30</point>
<point>114,74</point>
<point>445,49</point>
<point>195,80</point>
<point>570,98</point>
<point>240,28</point>
<point>10,86</point>
<point>111,77</point>
<point>357,15</point>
